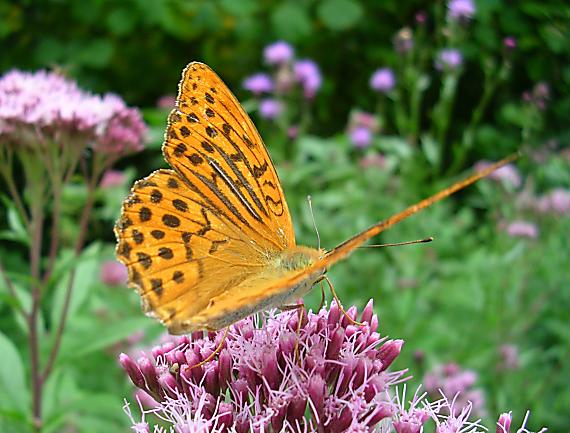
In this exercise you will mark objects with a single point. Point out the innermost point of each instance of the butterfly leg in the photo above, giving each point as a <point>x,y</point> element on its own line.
<point>322,295</point>
<point>215,352</point>
<point>335,296</point>
<point>301,310</point>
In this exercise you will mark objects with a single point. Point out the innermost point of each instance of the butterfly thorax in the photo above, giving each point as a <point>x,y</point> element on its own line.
<point>296,258</point>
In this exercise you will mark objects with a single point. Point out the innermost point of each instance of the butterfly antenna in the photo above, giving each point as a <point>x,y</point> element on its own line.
<point>310,201</point>
<point>399,244</point>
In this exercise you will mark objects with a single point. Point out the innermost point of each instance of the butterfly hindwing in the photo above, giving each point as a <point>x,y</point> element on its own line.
<point>180,252</point>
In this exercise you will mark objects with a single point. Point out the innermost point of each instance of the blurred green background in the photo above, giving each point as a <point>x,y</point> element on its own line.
<point>478,289</point>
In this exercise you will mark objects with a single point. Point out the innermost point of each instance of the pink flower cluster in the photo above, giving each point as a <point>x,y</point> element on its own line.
<point>338,381</point>
<point>508,174</point>
<point>454,383</point>
<point>361,128</point>
<point>289,74</point>
<point>45,104</point>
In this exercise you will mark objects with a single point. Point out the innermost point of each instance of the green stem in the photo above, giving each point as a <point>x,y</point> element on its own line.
<point>99,166</point>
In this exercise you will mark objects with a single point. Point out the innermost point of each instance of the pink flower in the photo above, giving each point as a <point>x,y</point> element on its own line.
<point>114,273</point>
<point>510,43</point>
<point>523,229</point>
<point>339,379</point>
<point>454,383</point>
<point>509,354</point>
<point>308,74</point>
<point>360,137</point>
<point>44,104</point>
<point>556,201</point>
<point>278,53</point>
<point>167,102</point>
<point>504,423</point>
<point>460,10</point>
<point>258,84</point>
<point>507,174</point>
<point>112,178</point>
<point>270,108</point>
<point>449,59</point>
<point>383,80</point>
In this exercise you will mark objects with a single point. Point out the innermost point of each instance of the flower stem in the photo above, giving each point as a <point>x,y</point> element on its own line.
<point>84,220</point>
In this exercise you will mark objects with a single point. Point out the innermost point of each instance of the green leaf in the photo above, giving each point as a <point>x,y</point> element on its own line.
<point>88,337</point>
<point>430,148</point>
<point>291,22</point>
<point>13,390</point>
<point>340,14</point>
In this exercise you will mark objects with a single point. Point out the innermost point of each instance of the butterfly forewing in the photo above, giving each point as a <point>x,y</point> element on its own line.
<point>214,146</point>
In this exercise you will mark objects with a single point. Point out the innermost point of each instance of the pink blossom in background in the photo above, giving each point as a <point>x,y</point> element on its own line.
<point>270,108</point>
<point>366,120</point>
<point>360,137</point>
<point>404,40</point>
<point>383,80</point>
<point>556,201</point>
<point>166,102</point>
<point>278,53</point>
<point>308,74</point>
<point>258,84</point>
<point>112,178</point>
<point>460,10</point>
<point>522,229</point>
<point>449,59</point>
<point>507,174</point>
<point>293,132</point>
<point>509,357</point>
<point>46,103</point>
<point>421,17</point>
<point>510,43</point>
<point>451,380</point>
<point>114,273</point>
<point>374,160</point>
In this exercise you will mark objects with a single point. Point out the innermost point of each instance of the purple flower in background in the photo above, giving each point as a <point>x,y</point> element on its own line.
<point>293,132</point>
<point>510,43</point>
<point>114,273</point>
<point>449,59</point>
<point>558,201</point>
<point>383,80</point>
<point>257,382</point>
<point>507,174</point>
<point>278,53</point>
<point>455,384</point>
<point>270,108</point>
<point>522,229</point>
<point>509,354</point>
<point>308,74</point>
<point>45,104</point>
<point>112,178</point>
<point>167,102</point>
<point>258,84</point>
<point>404,40</point>
<point>460,10</point>
<point>361,137</point>
<point>374,160</point>
<point>421,17</point>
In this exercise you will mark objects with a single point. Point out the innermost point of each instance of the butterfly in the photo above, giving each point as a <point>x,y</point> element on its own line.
<point>210,241</point>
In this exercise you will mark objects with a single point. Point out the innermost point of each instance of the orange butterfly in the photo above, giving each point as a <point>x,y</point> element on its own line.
<point>211,241</point>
